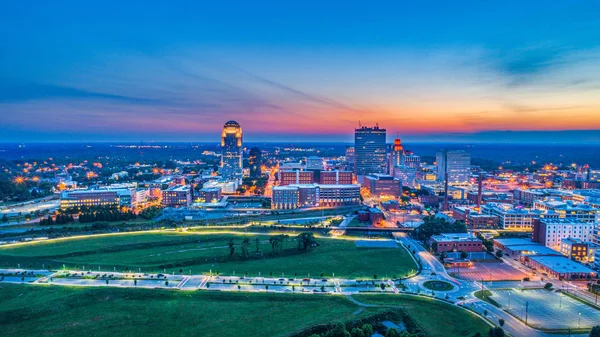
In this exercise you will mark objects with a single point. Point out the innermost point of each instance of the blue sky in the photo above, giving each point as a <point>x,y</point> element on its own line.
<point>78,71</point>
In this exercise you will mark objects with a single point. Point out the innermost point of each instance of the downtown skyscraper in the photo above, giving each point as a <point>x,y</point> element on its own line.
<point>231,152</point>
<point>369,150</point>
<point>457,164</point>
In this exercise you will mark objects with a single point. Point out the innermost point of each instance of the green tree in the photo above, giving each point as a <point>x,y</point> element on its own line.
<point>356,332</point>
<point>435,226</point>
<point>367,329</point>
<point>306,240</point>
<point>464,255</point>
<point>170,165</point>
<point>338,331</point>
<point>496,332</point>
<point>501,322</point>
<point>231,246</point>
<point>595,331</point>
<point>392,332</point>
<point>245,244</point>
<point>499,254</point>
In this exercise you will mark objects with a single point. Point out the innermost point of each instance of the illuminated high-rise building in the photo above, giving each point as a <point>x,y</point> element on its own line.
<point>350,157</point>
<point>456,163</point>
<point>254,160</point>
<point>231,152</point>
<point>395,155</point>
<point>370,150</point>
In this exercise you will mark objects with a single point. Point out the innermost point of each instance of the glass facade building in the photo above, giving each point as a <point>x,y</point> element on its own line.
<point>231,152</point>
<point>370,150</point>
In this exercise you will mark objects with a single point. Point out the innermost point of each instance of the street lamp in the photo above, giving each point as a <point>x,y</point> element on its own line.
<point>561,296</point>
<point>579,324</point>
<point>509,300</point>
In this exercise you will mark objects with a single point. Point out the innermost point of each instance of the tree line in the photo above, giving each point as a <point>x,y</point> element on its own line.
<point>277,242</point>
<point>106,215</point>
<point>435,226</point>
<point>61,219</point>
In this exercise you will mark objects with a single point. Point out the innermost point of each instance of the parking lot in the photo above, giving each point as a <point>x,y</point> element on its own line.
<point>554,310</point>
<point>489,271</point>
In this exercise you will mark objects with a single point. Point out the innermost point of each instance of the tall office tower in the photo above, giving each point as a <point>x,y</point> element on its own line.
<point>456,163</point>
<point>231,152</point>
<point>395,155</point>
<point>254,160</point>
<point>350,157</point>
<point>369,150</point>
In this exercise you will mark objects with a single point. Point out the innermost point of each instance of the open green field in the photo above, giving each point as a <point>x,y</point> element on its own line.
<point>35,310</point>
<point>40,310</point>
<point>204,252</point>
<point>357,223</point>
<point>438,319</point>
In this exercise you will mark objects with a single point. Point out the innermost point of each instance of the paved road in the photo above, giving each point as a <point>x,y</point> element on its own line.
<point>462,292</point>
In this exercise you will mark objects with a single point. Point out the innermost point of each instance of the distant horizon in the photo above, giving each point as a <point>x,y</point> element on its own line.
<point>488,137</point>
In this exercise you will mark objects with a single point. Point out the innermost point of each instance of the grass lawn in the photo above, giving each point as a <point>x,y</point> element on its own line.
<point>36,310</point>
<point>357,223</point>
<point>436,318</point>
<point>438,285</point>
<point>203,252</point>
<point>486,295</point>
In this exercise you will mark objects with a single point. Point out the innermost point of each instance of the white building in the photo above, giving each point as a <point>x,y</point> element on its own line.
<point>314,163</point>
<point>140,196</point>
<point>312,195</point>
<point>510,217</point>
<point>568,209</point>
<point>227,187</point>
<point>552,231</point>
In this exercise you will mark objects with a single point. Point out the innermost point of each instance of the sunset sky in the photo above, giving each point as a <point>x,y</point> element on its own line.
<point>426,70</point>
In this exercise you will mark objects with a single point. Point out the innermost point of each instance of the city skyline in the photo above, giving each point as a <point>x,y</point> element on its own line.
<point>459,73</point>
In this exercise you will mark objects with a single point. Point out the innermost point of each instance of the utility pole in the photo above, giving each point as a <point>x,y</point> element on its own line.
<point>526,311</point>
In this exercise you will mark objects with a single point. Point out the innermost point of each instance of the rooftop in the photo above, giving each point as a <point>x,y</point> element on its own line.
<point>533,249</point>
<point>571,240</point>
<point>179,188</point>
<point>514,242</point>
<point>210,189</point>
<point>564,221</point>
<point>454,237</point>
<point>561,264</point>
